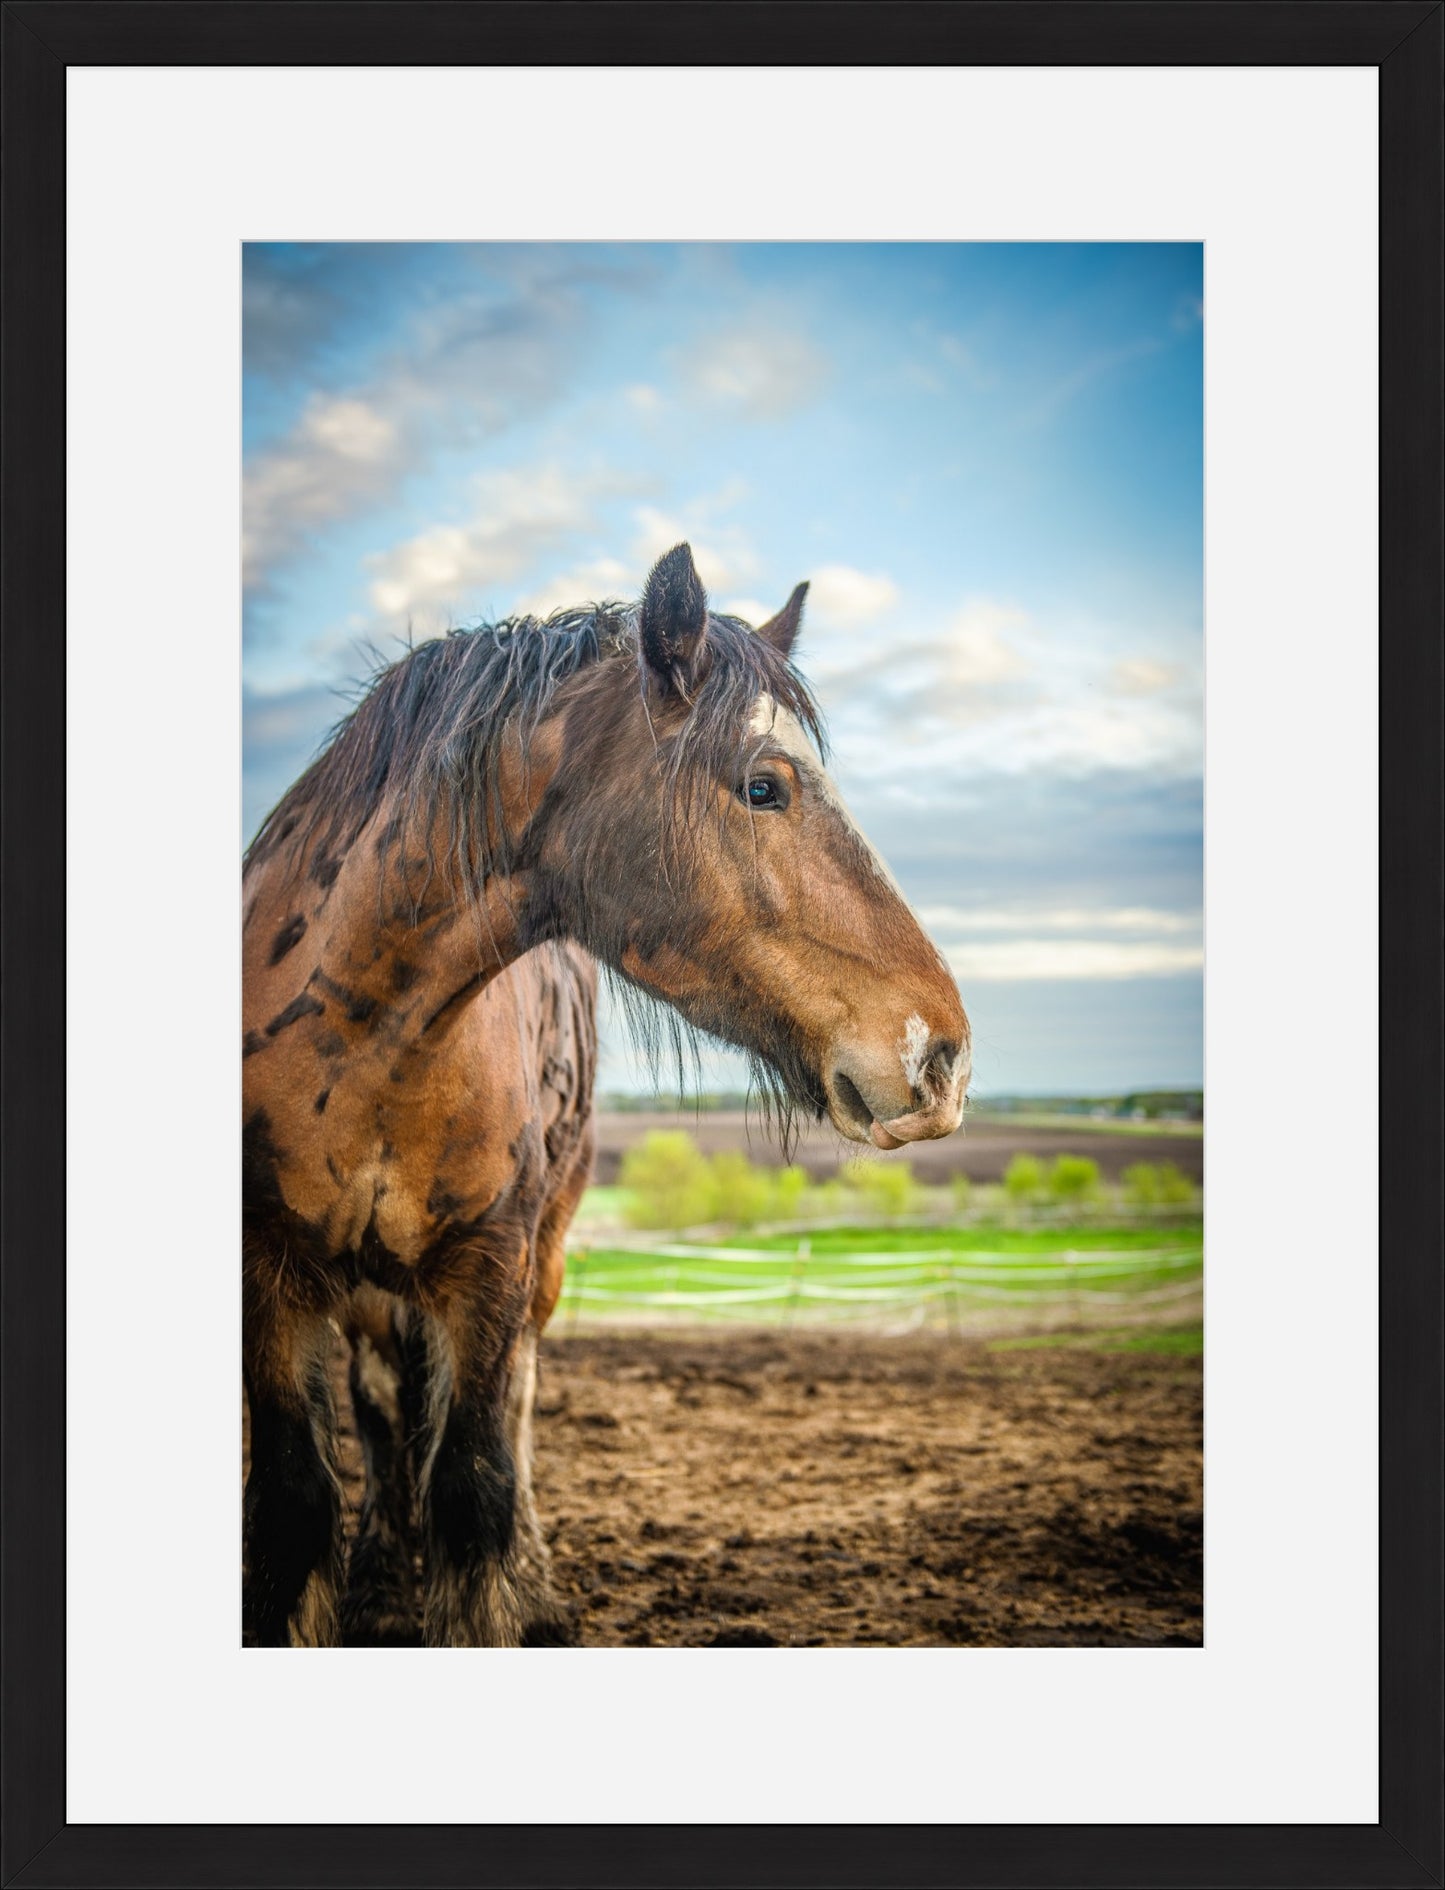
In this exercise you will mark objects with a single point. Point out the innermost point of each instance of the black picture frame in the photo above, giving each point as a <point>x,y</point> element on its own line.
<point>40,39</point>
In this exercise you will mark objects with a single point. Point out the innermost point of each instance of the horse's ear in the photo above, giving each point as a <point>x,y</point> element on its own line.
<point>674,618</point>
<point>782,631</point>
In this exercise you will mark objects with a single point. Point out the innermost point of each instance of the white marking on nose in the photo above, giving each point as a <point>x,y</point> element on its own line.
<point>913,1050</point>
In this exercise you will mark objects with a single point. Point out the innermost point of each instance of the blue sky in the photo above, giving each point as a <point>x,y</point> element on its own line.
<point>987,458</point>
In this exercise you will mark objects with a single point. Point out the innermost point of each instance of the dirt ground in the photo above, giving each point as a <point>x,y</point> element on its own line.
<point>829,1489</point>
<point>982,1152</point>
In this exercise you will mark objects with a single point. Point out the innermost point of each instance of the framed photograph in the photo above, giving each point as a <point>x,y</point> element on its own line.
<point>444,1110</point>
<point>555,479</point>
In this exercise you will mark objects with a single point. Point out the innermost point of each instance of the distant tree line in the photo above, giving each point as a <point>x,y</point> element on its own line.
<point>1075,1179</point>
<point>668,1183</point>
<point>1177,1105</point>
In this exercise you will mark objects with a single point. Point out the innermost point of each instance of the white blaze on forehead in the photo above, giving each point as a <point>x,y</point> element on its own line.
<point>913,1051</point>
<point>769,720</point>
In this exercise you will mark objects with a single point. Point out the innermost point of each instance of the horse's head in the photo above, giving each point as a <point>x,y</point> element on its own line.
<point>709,859</point>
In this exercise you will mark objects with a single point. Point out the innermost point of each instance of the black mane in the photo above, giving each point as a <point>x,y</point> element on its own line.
<point>428,727</point>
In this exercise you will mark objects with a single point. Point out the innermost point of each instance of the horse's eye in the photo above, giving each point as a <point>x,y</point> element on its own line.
<point>760,792</point>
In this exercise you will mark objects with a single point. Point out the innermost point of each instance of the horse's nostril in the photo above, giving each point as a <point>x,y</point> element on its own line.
<point>940,1065</point>
<point>935,1074</point>
<point>851,1098</point>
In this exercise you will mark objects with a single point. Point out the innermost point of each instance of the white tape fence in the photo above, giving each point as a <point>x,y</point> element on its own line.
<point>950,1288</point>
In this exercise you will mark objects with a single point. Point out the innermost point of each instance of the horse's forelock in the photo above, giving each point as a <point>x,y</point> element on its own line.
<point>718,732</point>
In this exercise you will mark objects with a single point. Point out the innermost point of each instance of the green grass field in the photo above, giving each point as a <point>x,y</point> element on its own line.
<point>1163,1341</point>
<point>958,1275</point>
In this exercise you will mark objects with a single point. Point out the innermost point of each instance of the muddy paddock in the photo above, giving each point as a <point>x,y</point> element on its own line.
<point>830,1489</point>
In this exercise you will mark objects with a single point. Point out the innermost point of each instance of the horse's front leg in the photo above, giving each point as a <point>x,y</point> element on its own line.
<point>544,1621</point>
<point>292,1513</point>
<point>469,1485</point>
<point>386,1375</point>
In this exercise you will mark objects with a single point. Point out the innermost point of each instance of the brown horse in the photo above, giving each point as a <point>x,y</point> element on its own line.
<point>641,786</point>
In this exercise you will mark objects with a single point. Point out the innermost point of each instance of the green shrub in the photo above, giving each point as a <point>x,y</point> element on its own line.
<point>885,1187</point>
<point>1074,1179</point>
<point>1024,1178</point>
<point>828,1200</point>
<point>1148,1185</point>
<point>669,1181</point>
<point>1140,1182</point>
<point>742,1195</point>
<point>790,1193</point>
<point>1174,1187</point>
<point>961,1188</point>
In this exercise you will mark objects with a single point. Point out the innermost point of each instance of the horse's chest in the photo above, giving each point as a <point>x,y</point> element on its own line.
<point>384,1159</point>
<point>378,1212</point>
<point>391,1189</point>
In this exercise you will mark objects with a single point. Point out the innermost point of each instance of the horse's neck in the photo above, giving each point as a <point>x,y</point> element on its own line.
<point>377,947</point>
<point>361,968</point>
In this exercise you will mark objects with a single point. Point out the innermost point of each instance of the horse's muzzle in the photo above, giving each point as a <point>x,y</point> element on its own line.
<point>923,1125</point>
<point>887,1101</point>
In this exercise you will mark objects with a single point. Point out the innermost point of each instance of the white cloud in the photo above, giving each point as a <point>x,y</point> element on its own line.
<point>991,690</point>
<point>840,595</point>
<point>749,609</point>
<point>454,570</point>
<point>589,583</point>
<point>342,452</point>
<point>1050,943</point>
<point>724,560</point>
<point>924,734</point>
<point>956,673</point>
<point>978,647</point>
<point>762,370</point>
<point>463,368</point>
<point>1029,960</point>
<point>1076,737</point>
<point>450,571</point>
<point>946,919</point>
<point>1141,676</point>
<point>643,399</point>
